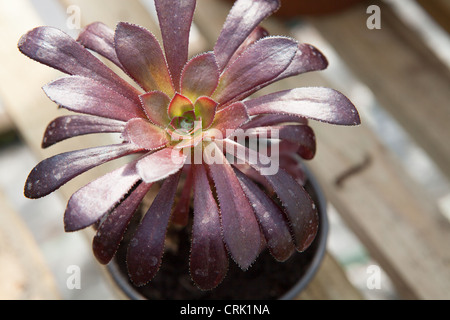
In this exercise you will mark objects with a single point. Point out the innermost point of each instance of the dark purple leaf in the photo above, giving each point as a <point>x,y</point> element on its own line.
<point>209,259</point>
<point>302,135</point>
<point>160,164</point>
<point>180,215</point>
<point>273,119</point>
<point>145,134</point>
<point>146,247</point>
<point>88,96</point>
<point>200,76</point>
<point>65,127</point>
<point>99,38</point>
<point>227,120</point>
<point>260,63</point>
<point>308,58</point>
<point>140,54</point>
<point>257,34</point>
<point>241,231</point>
<point>87,205</point>
<point>53,172</point>
<point>322,104</point>
<point>242,19</point>
<point>155,104</point>
<point>271,219</point>
<point>175,19</point>
<point>111,230</point>
<point>298,206</point>
<point>57,49</point>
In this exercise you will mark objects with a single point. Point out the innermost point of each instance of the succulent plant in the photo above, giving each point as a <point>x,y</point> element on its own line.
<point>184,119</point>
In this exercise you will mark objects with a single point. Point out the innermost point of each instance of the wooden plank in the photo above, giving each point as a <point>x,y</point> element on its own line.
<point>24,274</point>
<point>330,283</point>
<point>407,78</point>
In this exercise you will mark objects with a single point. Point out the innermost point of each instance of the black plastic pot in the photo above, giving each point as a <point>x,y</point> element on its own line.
<point>302,266</point>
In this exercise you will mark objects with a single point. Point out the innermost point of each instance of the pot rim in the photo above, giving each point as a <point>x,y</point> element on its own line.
<point>123,283</point>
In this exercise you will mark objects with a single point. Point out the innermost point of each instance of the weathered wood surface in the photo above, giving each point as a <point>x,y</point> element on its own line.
<point>24,274</point>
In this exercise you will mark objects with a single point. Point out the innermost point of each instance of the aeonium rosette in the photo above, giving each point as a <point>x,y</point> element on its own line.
<point>201,103</point>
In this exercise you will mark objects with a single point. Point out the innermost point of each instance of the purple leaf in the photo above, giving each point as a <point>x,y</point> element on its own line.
<point>99,197</point>
<point>57,49</point>
<point>242,19</point>
<point>298,206</point>
<point>200,76</point>
<point>111,230</point>
<point>160,164</point>
<point>180,215</point>
<point>146,247</point>
<point>209,259</point>
<point>273,119</point>
<point>99,38</point>
<point>230,118</point>
<point>140,54</point>
<point>175,19</point>
<point>144,134</point>
<point>322,104</point>
<point>308,58</point>
<point>65,127</point>
<point>88,96</point>
<point>302,135</point>
<point>205,108</point>
<point>53,172</point>
<point>271,219</point>
<point>257,34</point>
<point>240,228</point>
<point>260,63</point>
<point>155,104</point>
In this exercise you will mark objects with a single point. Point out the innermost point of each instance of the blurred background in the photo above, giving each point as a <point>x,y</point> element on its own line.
<point>386,181</point>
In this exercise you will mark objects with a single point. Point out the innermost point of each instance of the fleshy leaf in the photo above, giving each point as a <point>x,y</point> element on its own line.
<point>257,34</point>
<point>242,19</point>
<point>53,172</point>
<point>301,135</point>
<point>241,231</point>
<point>179,105</point>
<point>146,247</point>
<point>175,19</point>
<point>99,38</point>
<point>66,127</point>
<point>155,105</point>
<point>180,215</point>
<point>273,119</point>
<point>298,206</point>
<point>58,50</point>
<point>88,96</point>
<point>140,54</point>
<point>200,76</point>
<point>307,58</point>
<point>87,205</point>
<point>111,230</point>
<point>160,164</point>
<point>260,63</point>
<point>205,108</point>
<point>229,119</point>
<point>209,259</point>
<point>271,219</point>
<point>322,104</point>
<point>144,134</point>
